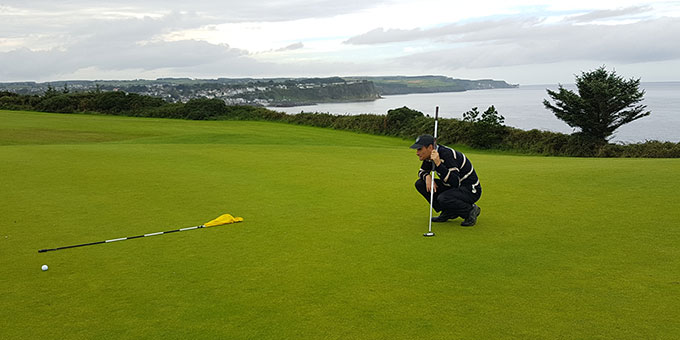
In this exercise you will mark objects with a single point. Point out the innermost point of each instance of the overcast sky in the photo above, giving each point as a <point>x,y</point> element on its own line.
<point>519,41</point>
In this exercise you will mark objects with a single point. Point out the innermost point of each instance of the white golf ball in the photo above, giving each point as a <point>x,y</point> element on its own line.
<point>44,267</point>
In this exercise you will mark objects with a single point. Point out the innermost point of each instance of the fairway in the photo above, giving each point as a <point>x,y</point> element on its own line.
<point>331,245</point>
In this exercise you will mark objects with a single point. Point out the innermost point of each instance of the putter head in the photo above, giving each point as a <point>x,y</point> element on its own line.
<point>429,234</point>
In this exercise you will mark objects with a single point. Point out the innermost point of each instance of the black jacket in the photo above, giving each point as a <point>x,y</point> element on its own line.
<point>455,170</point>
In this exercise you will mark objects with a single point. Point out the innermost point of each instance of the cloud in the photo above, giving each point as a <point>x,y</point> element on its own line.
<point>645,41</point>
<point>225,10</point>
<point>291,47</point>
<point>44,39</point>
<point>125,59</point>
<point>118,56</point>
<point>491,29</point>
<point>117,44</point>
<point>40,33</point>
<point>381,36</point>
<point>449,31</point>
<point>43,24</point>
<point>610,13</point>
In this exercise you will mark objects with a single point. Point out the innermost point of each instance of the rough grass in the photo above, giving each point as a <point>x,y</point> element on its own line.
<point>331,245</point>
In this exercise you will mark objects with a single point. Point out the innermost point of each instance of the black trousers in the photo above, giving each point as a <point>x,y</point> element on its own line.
<point>452,201</point>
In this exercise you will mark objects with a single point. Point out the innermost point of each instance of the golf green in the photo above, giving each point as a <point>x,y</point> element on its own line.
<point>331,245</point>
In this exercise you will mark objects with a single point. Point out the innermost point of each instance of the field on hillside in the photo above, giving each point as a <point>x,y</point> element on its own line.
<point>331,246</point>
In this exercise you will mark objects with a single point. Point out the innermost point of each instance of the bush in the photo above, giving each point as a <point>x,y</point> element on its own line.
<point>451,131</point>
<point>484,130</point>
<point>204,108</point>
<point>649,149</point>
<point>365,123</point>
<point>139,103</point>
<point>313,119</point>
<point>550,143</point>
<point>487,130</point>
<point>175,110</point>
<point>246,112</point>
<point>396,119</point>
<point>59,103</point>
<point>111,102</point>
<point>13,101</point>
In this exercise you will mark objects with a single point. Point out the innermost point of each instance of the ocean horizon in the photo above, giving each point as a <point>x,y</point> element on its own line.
<point>523,108</point>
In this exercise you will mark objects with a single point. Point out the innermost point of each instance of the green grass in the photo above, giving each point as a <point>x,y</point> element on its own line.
<point>331,245</point>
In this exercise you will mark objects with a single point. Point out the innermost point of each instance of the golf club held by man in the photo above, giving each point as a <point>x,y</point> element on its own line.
<point>457,188</point>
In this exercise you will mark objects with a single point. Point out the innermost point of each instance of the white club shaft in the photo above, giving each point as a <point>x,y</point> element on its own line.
<point>436,116</point>
<point>429,228</point>
<point>435,132</point>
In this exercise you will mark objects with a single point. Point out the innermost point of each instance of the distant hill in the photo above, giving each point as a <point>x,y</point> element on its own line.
<point>391,85</point>
<point>266,91</point>
<point>236,91</point>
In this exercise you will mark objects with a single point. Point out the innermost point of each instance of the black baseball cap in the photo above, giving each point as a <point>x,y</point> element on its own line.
<point>423,140</point>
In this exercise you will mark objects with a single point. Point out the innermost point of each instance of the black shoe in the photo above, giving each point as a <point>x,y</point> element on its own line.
<point>443,217</point>
<point>472,217</point>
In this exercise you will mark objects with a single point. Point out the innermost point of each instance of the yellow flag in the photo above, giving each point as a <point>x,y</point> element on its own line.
<point>223,219</point>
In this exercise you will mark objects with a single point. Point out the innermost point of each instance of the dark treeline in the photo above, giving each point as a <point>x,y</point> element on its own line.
<point>485,133</point>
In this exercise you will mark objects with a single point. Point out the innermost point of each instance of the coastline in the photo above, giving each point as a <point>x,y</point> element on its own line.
<point>522,108</point>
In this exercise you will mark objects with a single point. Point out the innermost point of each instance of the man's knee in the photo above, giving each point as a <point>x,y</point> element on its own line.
<point>420,185</point>
<point>450,199</point>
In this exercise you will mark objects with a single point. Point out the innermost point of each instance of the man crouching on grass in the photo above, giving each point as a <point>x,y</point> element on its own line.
<point>457,188</point>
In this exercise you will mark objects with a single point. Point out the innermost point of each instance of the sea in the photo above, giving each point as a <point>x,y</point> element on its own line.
<point>523,108</point>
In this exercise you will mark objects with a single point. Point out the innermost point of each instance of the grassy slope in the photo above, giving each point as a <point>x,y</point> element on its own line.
<point>331,246</point>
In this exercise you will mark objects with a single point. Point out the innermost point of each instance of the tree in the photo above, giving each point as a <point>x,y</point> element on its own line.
<point>488,129</point>
<point>604,102</point>
<point>204,108</point>
<point>114,102</point>
<point>402,115</point>
<point>397,119</point>
<point>50,92</point>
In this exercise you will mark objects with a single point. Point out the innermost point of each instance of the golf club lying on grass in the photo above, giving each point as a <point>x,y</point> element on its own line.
<point>434,147</point>
<point>223,219</point>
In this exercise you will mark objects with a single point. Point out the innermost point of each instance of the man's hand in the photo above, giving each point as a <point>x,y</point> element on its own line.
<point>434,156</point>
<point>429,183</point>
